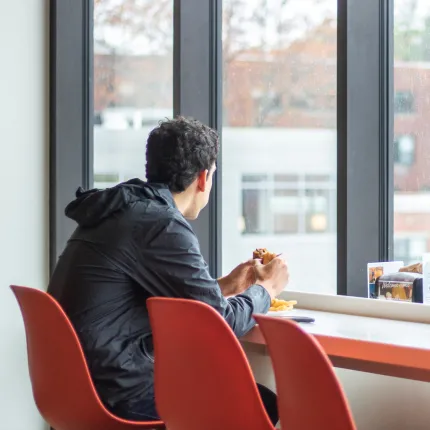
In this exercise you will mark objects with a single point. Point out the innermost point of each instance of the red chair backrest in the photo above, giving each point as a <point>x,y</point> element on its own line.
<point>61,382</point>
<point>202,376</point>
<point>309,394</point>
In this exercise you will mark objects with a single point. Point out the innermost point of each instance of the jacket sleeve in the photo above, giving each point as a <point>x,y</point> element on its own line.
<point>171,265</point>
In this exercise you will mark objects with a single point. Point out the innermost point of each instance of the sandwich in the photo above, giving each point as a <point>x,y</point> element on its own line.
<point>276,305</point>
<point>413,268</point>
<point>264,255</point>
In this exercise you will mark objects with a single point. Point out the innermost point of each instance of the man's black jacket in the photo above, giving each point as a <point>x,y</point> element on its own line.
<point>132,243</point>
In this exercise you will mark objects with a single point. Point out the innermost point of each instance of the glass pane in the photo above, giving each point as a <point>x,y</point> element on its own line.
<point>254,202</point>
<point>133,83</point>
<point>279,136</point>
<point>411,129</point>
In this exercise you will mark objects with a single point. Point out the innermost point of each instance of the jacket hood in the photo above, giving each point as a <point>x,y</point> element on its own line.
<point>93,206</point>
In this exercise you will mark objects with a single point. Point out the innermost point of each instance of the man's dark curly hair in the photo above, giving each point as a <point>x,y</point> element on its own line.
<point>178,150</point>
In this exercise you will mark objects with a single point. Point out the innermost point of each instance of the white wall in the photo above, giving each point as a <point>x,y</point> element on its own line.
<point>24,193</point>
<point>377,402</point>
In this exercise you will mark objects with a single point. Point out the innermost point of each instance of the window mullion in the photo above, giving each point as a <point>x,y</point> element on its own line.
<point>363,141</point>
<point>197,93</point>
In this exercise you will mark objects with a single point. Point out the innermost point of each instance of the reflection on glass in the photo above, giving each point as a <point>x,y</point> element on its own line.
<point>411,129</point>
<point>133,83</point>
<point>279,136</point>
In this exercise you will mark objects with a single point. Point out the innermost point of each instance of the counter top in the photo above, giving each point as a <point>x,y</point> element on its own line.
<point>375,345</point>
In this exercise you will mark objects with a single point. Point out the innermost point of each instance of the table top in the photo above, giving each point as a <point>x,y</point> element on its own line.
<point>375,345</point>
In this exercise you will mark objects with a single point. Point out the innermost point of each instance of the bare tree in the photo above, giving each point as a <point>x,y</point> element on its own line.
<point>261,32</point>
<point>411,31</point>
<point>258,32</point>
<point>148,19</point>
<point>126,32</point>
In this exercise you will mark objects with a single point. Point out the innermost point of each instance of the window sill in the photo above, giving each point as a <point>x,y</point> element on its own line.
<point>390,310</point>
<point>381,346</point>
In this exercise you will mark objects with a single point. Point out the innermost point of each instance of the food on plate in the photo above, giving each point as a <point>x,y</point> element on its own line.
<point>413,268</point>
<point>277,305</point>
<point>264,255</point>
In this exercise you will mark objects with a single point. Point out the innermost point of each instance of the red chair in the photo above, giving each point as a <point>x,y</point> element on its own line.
<point>309,394</point>
<point>62,386</point>
<point>202,377</point>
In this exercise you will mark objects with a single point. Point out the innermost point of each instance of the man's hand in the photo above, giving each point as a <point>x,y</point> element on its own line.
<point>239,279</point>
<point>273,276</point>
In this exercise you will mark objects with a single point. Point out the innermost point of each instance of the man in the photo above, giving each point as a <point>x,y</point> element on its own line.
<point>133,242</point>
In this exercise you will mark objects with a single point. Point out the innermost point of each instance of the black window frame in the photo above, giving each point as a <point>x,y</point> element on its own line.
<point>365,191</point>
<point>365,94</point>
<point>71,113</point>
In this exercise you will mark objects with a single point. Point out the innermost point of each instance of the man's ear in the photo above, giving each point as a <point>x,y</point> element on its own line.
<point>202,180</point>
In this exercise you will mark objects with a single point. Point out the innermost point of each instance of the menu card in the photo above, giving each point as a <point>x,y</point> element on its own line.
<point>376,270</point>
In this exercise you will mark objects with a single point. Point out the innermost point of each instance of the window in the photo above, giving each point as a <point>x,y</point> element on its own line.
<point>266,105</point>
<point>287,204</point>
<point>412,134</point>
<point>411,249</point>
<point>324,155</point>
<point>317,211</point>
<point>279,136</point>
<point>404,150</point>
<point>403,102</point>
<point>133,83</point>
